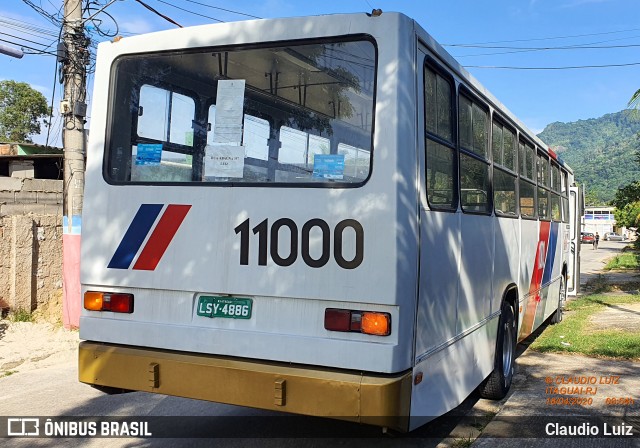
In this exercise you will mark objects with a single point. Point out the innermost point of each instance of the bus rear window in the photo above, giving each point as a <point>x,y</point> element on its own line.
<point>274,115</point>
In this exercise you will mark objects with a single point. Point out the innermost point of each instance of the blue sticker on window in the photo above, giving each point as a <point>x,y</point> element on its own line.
<point>149,154</point>
<point>328,166</point>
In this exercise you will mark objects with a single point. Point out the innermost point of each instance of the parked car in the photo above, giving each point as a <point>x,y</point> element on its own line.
<point>587,237</point>
<point>614,237</point>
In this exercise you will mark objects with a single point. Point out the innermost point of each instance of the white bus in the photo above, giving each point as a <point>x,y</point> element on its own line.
<point>324,216</point>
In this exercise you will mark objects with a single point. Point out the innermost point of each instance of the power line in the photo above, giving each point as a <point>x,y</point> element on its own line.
<point>223,9</point>
<point>168,19</point>
<point>546,38</point>
<point>38,51</point>
<point>567,47</point>
<point>574,67</point>
<point>189,11</point>
<point>17,24</point>
<point>26,40</point>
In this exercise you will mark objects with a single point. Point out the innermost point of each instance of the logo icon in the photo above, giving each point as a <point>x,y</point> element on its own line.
<point>166,228</point>
<point>22,427</point>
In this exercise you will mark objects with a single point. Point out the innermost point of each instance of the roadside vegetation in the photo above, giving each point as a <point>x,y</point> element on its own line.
<point>625,261</point>
<point>21,315</point>
<point>578,334</point>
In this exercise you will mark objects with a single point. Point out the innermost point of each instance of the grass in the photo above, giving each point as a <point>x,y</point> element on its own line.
<point>575,335</point>
<point>21,315</point>
<point>8,373</point>
<point>462,442</point>
<point>624,261</point>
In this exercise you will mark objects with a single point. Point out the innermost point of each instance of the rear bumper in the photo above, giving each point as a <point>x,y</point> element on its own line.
<point>381,400</point>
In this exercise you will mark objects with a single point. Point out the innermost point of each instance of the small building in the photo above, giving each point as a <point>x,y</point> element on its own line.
<point>29,160</point>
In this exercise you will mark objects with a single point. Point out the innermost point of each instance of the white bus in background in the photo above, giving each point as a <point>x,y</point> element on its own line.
<point>324,216</point>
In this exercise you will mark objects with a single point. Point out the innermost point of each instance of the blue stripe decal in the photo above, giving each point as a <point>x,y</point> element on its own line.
<point>135,236</point>
<point>551,253</point>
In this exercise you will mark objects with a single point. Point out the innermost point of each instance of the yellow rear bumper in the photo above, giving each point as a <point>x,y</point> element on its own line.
<point>372,399</point>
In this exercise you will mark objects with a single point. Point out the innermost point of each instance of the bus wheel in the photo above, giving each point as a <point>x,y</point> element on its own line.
<point>562,296</point>
<point>497,384</point>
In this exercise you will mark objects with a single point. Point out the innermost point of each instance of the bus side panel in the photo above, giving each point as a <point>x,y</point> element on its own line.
<point>529,231</point>
<point>449,377</point>
<point>439,286</point>
<point>506,261</point>
<point>540,279</point>
<point>553,268</point>
<point>476,270</point>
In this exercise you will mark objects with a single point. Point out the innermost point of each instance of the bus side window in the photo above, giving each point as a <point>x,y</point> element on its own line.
<point>504,164</point>
<point>474,156</point>
<point>527,181</point>
<point>543,187</point>
<point>441,153</point>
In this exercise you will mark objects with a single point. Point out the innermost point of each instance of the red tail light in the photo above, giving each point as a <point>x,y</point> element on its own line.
<point>352,321</point>
<point>107,301</point>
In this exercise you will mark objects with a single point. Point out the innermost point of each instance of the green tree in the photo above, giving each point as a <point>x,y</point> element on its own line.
<point>634,102</point>
<point>627,195</point>
<point>629,215</point>
<point>21,109</point>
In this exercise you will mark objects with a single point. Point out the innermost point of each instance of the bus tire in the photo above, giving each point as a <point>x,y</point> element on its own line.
<point>497,384</point>
<point>556,318</point>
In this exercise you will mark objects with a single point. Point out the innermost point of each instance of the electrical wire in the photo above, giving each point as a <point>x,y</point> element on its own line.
<point>223,9</point>
<point>567,47</point>
<point>36,50</point>
<point>546,38</point>
<point>168,19</point>
<point>574,67</point>
<point>190,12</point>
<point>26,40</point>
<point>30,30</point>
<point>53,95</point>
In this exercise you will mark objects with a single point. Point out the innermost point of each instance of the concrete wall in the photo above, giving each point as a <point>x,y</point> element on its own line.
<point>31,242</point>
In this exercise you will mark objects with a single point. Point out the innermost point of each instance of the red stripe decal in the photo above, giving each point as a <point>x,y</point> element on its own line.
<point>161,237</point>
<point>536,279</point>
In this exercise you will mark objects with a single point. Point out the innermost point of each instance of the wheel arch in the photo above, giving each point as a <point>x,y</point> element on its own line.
<point>511,295</point>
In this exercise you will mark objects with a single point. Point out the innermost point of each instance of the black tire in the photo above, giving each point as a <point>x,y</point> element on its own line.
<point>556,318</point>
<point>497,384</point>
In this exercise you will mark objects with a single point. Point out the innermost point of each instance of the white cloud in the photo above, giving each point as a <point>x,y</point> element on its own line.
<point>136,26</point>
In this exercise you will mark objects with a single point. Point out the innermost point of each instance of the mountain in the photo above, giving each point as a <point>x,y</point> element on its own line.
<point>603,152</point>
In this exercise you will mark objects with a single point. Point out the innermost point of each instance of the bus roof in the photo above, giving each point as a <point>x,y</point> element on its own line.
<point>344,21</point>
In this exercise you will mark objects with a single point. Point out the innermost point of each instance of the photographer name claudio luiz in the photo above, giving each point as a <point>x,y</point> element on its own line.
<point>589,429</point>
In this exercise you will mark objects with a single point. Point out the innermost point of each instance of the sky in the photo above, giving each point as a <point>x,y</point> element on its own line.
<point>537,40</point>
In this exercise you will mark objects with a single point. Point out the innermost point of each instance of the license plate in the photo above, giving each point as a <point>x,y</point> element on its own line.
<point>229,307</point>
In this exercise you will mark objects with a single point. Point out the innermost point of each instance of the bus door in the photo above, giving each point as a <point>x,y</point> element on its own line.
<point>576,206</point>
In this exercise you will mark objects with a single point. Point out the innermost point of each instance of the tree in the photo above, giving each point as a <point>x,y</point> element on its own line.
<point>634,102</point>
<point>629,215</point>
<point>21,109</point>
<point>626,195</point>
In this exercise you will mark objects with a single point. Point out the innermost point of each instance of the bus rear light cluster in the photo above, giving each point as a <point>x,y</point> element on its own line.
<point>367,322</point>
<point>108,301</point>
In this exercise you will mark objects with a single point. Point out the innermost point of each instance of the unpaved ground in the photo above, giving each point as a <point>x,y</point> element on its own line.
<point>617,317</point>
<point>31,345</point>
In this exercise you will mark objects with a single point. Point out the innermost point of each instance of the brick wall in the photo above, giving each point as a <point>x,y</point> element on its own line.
<point>19,196</point>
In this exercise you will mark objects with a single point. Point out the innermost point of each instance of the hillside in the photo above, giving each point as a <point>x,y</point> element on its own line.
<point>602,151</point>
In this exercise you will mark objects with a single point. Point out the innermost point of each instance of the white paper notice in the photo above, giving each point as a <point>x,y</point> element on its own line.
<point>229,105</point>
<point>224,161</point>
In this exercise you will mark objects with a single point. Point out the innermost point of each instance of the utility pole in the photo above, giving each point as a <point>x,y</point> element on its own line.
<point>74,109</point>
<point>74,57</point>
